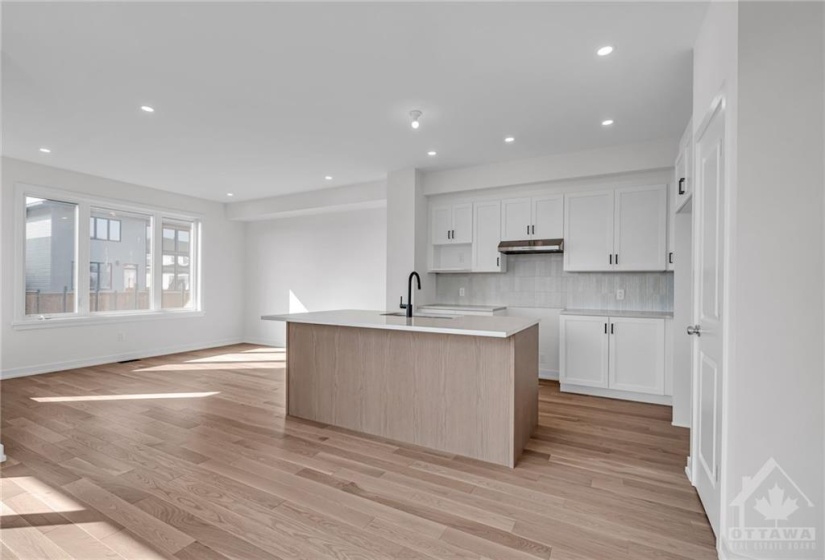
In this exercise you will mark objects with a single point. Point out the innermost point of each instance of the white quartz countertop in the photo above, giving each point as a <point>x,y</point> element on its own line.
<point>494,327</point>
<point>460,307</point>
<point>624,313</point>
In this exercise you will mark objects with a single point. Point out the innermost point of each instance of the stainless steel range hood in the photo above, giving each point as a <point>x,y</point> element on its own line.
<point>531,246</point>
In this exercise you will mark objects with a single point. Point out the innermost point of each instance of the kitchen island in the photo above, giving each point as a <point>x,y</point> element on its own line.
<point>461,385</point>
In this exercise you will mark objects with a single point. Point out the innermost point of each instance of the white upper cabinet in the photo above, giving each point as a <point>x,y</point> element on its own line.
<point>538,217</point>
<point>683,187</point>
<point>516,219</point>
<point>441,225</point>
<point>487,236</point>
<point>462,223</point>
<point>548,217</point>
<point>588,231</point>
<point>640,225</point>
<point>625,229</point>
<point>452,224</point>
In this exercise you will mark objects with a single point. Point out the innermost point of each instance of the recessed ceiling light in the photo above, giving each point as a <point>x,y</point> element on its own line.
<point>328,177</point>
<point>147,109</point>
<point>604,51</point>
<point>415,115</point>
<point>432,153</point>
<point>608,122</point>
<point>45,150</point>
<point>230,194</point>
<point>509,139</point>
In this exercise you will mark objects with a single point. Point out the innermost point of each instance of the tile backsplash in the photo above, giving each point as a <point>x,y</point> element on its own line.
<point>540,281</point>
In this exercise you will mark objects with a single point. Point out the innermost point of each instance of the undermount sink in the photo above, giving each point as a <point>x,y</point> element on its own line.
<point>418,315</point>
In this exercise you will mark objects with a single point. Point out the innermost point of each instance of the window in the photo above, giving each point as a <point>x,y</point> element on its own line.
<point>104,229</point>
<point>177,265</point>
<point>49,253</point>
<point>109,248</point>
<point>127,253</point>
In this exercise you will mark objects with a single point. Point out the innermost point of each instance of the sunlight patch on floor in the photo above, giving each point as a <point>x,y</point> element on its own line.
<point>144,396</point>
<point>240,358</point>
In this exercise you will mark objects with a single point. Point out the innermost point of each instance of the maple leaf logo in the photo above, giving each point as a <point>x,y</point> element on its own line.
<point>776,507</point>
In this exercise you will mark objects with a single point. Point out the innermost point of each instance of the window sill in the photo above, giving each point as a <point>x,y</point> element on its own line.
<point>103,319</point>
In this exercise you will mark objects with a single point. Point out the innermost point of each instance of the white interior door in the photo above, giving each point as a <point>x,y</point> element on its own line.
<point>441,224</point>
<point>487,237</point>
<point>583,350</point>
<point>708,372</point>
<point>463,223</point>
<point>588,231</point>
<point>637,355</point>
<point>515,219</point>
<point>640,240</point>
<point>548,216</point>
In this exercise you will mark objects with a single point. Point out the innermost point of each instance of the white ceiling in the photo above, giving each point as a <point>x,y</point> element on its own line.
<point>265,99</point>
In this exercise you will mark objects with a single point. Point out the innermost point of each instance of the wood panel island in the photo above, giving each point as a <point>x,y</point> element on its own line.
<point>462,385</point>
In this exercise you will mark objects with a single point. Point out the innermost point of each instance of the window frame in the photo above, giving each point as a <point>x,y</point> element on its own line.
<point>82,262</point>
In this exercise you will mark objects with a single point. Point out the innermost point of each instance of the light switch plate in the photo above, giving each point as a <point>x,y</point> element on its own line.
<point>461,292</point>
<point>620,294</point>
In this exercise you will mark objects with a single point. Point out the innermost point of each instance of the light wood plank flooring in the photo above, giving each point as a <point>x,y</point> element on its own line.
<point>190,457</point>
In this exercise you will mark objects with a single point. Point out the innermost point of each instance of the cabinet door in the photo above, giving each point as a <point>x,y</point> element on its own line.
<point>588,231</point>
<point>462,223</point>
<point>515,219</point>
<point>583,350</point>
<point>441,225</point>
<point>548,217</point>
<point>640,238</point>
<point>637,355</point>
<point>486,237</point>
<point>670,257</point>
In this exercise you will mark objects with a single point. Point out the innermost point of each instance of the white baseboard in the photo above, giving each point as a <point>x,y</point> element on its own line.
<point>261,342</point>
<point>548,374</point>
<point>614,394</point>
<point>38,369</point>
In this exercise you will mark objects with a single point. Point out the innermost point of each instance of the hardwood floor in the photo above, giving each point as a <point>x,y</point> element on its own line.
<point>190,457</point>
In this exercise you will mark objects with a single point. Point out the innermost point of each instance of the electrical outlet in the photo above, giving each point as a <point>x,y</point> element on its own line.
<point>461,292</point>
<point>121,337</point>
<point>620,294</point>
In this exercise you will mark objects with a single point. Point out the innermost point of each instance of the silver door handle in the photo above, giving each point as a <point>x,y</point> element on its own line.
<point>694,329</point>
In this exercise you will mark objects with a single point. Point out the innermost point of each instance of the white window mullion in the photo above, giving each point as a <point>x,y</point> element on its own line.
<point>82,251</point>
<point>157,261</point>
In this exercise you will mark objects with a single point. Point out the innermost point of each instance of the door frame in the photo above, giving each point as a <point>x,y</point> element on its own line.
<point>718,107</point>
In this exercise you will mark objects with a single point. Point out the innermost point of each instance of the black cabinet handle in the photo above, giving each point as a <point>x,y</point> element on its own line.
<point>611,328</point>
<point>498,259</point>
<point>682,185</point>
<point>605,328</point>
<point>611,258</point>
<point>670,258</point>
<point>452,230</point>
<point>534,230</point>
<point>617,258</point>
<point>528,230</point>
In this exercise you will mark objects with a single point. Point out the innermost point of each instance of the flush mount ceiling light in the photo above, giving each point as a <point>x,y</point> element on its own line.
<point>230,194</point>
<point>604,51</point>
<point>607,122</point>
<point>509,139</point>
<point>45,150</point>
<point>147,109</point>
<point>415,115</point>
<point>432,153</point>
<point>328,177</point>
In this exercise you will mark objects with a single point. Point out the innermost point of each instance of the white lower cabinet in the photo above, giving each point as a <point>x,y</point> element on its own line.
<point>623,357</point>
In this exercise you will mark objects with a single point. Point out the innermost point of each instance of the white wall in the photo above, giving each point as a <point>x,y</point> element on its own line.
<point>51,349</point>
<point>776,384</point>
<point>327,261</point>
